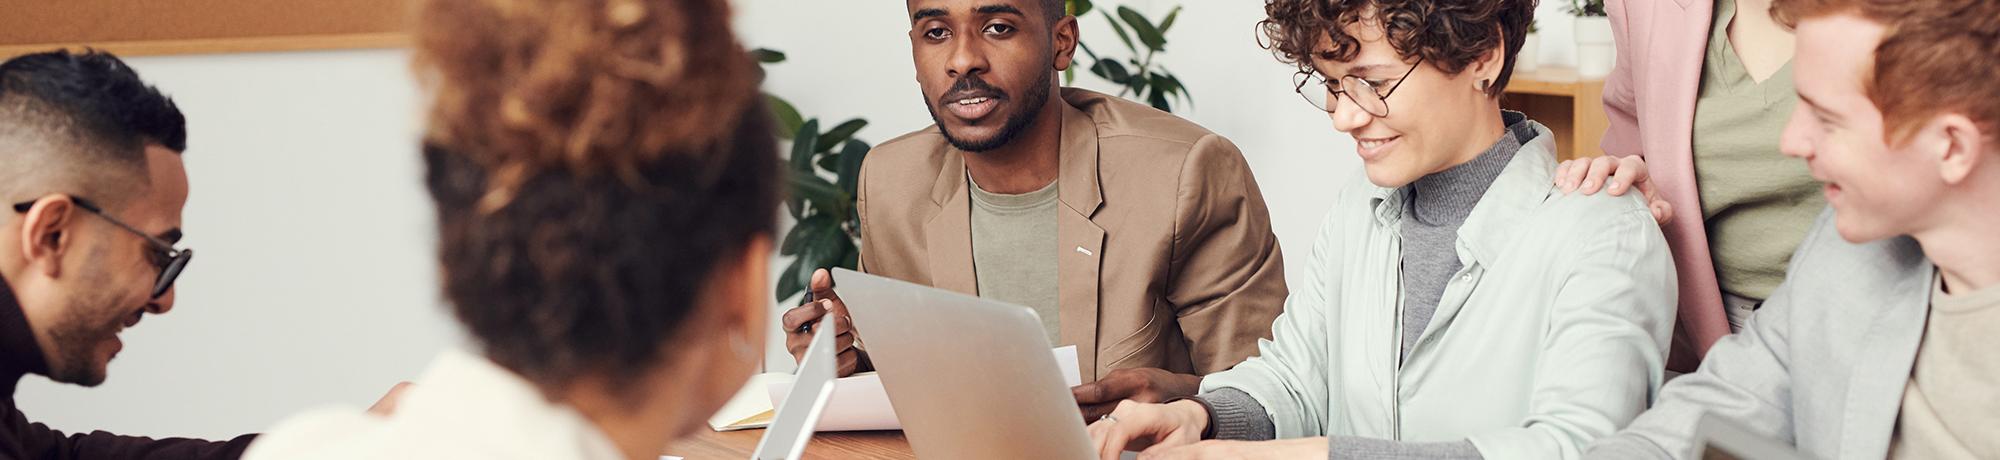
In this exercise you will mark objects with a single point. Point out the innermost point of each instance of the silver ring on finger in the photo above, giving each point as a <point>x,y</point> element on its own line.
<point>1108,418</point>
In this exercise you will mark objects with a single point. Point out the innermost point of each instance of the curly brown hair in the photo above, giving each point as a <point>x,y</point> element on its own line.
<point>1449,34</point>
<point>592,163</point>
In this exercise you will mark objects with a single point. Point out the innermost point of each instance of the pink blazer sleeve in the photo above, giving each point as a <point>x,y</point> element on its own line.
<point>1621,139</point>
<point>1649,100</point>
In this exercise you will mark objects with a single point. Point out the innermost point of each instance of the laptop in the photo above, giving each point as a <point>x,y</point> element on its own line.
<point>793,424</point>
<point>969,378</point>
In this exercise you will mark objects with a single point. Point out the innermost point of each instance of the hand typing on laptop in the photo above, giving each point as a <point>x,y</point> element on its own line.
<point>1146,385</point>
<point>1175,431</point>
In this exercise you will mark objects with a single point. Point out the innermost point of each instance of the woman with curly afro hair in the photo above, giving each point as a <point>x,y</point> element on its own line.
<point>606,186</point>
<point>1455,304</point>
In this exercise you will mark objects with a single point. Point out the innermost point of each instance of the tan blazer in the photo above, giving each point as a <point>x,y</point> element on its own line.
<point>1166,253</point>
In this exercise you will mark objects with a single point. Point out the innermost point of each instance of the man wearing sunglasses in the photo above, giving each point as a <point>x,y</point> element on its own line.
<point>90,164</point>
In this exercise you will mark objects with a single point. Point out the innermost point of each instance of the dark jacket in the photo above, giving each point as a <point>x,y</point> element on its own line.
<point>21,439</point>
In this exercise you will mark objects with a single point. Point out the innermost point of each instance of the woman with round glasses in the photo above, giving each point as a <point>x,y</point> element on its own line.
<point>1455,305</point>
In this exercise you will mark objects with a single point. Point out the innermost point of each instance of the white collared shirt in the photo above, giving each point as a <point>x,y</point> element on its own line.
<point>463,407</point>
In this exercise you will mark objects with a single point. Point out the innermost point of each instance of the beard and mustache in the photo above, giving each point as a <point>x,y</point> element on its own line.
<point>89,320</point>
<point>1016,122</point>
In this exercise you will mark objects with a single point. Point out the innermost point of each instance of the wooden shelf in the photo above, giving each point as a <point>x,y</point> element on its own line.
<point>1570,105</point>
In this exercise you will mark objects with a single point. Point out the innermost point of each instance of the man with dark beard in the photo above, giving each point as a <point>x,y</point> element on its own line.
<point>90,163</point>
<point>1139,237</point>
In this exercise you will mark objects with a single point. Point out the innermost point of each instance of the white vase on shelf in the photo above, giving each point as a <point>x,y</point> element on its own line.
<point>1595,52</point>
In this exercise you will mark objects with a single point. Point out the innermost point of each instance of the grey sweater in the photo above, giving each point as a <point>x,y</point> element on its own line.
<point>1438,204</point>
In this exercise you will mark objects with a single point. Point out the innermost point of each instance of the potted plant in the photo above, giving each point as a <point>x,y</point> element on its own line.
<point>823,169</point>
<point>1594,50</point>
<point>1146,80</point>
<point>1530,57</point>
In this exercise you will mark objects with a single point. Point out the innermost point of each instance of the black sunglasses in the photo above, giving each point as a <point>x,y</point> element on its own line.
<point>170,261</point>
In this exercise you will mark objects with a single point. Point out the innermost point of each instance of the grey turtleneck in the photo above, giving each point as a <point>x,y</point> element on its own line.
<point>1438,204</point>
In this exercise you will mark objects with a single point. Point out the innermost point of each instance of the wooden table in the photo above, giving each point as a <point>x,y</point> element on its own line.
<point>1571,106</point>
<point>738,445</point>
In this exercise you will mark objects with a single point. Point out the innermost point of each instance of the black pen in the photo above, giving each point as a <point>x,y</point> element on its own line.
<point>808,326</point>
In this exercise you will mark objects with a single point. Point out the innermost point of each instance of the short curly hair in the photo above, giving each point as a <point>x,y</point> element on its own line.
<point>1944,56</point>
<point>1449,34</point>
<point>592,163</point>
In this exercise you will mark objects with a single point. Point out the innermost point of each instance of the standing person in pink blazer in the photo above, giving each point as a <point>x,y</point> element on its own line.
<point>1700,95</point>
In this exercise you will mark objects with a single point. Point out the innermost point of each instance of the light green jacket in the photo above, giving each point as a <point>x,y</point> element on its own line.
<point>1553,335</point>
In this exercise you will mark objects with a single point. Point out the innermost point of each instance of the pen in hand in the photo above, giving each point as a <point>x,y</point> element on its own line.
<point>806,328</point>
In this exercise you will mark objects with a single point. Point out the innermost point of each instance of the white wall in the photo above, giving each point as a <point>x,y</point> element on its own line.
<point>316,283</point>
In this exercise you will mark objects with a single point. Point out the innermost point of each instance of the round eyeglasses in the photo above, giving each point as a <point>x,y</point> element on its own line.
<point>1321,93</point>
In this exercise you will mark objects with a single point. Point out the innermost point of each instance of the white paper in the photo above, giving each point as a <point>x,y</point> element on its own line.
<point>748,402</point>
<point>1066,362</point>
<point>859,402</point>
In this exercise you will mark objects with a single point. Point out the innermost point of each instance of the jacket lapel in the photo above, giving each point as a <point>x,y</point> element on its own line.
<point>948,234</point>
<point>1881,371</point>
<point>1080,241</point>
<point>1678,43</point>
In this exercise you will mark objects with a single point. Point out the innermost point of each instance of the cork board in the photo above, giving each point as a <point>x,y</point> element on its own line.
<point>152,27</point>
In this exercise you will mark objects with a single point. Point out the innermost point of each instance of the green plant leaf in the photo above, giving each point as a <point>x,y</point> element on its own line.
<point>852,261</point>
<point>1166,83</point>
<point>1078,7</point>
<point>1111,70</point>
<point>804,144</point>
<point>824,197</point>
<point>804,231</point>
<point>828,162</point>
<point>1139,84</point>
<point>788,117</point>
<point>849,254</point>
<point>792,239</point>
<point>1180,89</point>
<point>788,283</point>
<point>1069,75</point>
<point>1158,99</point>
<point>815,242</point>
<point>849,173</point>
<point>825,250</point>
<point>1122,35</point>
<point>1168,23</point>
<point>1147,33</point>
<point>840,133</point>
<point>767,55</point>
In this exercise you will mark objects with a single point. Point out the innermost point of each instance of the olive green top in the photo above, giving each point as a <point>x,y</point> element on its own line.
<point>1757,203</point>
<point>1014,250</point>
